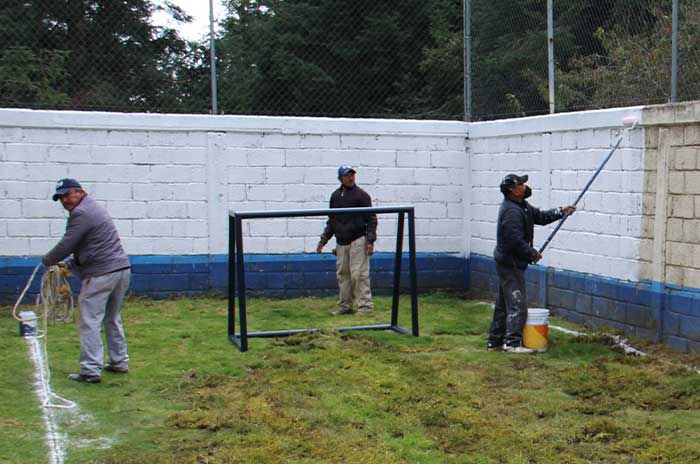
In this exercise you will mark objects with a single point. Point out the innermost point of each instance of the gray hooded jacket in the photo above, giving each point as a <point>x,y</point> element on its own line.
<point>92,239</point>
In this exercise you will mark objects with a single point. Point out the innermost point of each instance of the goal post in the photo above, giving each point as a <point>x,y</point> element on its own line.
<point>237,277</point>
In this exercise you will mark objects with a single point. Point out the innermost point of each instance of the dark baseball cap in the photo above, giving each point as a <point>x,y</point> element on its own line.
<point>510,181</point>
<point>343,170</point>
<point>64,185</point>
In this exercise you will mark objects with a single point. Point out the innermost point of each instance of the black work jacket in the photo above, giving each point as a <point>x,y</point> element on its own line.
<point>349,227</point>
<point>516,229</point>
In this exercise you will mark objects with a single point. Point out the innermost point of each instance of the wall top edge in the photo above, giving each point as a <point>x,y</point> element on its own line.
<point>49,119</point>
<point>672,113</point>
<point>560,122</point>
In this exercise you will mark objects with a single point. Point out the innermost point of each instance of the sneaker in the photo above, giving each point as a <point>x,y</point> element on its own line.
<point>519,349</point>
<point>490,346</point>
<point>364,310</point>
<point>118,370</point>
<point>85,378</point>
<point>341,311</point>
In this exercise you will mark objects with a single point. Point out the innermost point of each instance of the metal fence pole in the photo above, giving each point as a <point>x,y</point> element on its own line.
<point>674,53</point>
<point>212,46</point>
<point>550,52</point>
<point>467,60</point>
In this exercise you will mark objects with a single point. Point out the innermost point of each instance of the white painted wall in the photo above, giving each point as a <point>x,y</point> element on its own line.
<point>169,180</point>
<point>560,153</point>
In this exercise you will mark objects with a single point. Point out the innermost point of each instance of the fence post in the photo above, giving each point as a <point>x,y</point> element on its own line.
<point>674,53</point>
<point>212,57</point>
<point>467,60</point>
<point>550,52</point>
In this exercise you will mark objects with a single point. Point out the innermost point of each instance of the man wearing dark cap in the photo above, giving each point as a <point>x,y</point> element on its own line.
<point>513,253</point>
<point>93,248</point>
<point>355,235</point>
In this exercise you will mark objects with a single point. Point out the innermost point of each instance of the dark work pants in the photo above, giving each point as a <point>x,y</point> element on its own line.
<point>510,312</point>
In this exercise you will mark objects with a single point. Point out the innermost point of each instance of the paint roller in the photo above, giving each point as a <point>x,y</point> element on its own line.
<point>630,122</point>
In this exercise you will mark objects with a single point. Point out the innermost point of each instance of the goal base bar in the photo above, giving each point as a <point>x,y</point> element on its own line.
<point>236,339</point>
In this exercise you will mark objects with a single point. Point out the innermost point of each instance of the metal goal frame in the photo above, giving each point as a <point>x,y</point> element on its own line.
<point>236,270</point>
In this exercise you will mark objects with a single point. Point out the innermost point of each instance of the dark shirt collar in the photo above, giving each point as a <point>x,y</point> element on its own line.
<point>516,201</point>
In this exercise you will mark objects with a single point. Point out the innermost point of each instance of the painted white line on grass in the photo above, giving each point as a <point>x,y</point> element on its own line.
<point>54,439</point>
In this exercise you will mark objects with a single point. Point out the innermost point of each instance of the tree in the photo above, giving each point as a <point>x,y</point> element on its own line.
<point>88,54</point>
<point>322,57</point>
<point>633,64</point>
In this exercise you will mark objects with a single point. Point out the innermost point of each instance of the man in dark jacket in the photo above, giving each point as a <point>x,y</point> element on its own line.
<point>355,235</point>
<point>513,253</point>
<point>104,269</point>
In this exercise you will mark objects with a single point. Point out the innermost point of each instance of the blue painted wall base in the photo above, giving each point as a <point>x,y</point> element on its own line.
<point>271,275</point>
<point>644,309</point>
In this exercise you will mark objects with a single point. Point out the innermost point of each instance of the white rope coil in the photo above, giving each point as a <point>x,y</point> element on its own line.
<point>54,303</point>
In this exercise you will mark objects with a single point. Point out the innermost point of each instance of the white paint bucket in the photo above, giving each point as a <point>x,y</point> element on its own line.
<point>535,334</point>
<point>28,324</point>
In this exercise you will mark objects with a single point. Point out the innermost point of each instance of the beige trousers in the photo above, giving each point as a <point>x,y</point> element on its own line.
<point>352,271</point>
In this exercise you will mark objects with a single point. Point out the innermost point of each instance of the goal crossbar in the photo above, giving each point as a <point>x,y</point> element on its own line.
<point>237,283</point>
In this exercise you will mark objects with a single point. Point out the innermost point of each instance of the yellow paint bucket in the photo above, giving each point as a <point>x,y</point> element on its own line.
<point>536,329</point>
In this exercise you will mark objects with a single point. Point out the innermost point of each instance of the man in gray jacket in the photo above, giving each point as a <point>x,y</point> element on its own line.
<point>104,270</point>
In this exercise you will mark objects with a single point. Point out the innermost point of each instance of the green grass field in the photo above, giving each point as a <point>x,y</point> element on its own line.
<point>361,397</point>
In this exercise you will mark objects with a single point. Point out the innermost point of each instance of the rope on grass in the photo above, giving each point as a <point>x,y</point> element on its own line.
<point>54,303</point>
<point>619,342</point>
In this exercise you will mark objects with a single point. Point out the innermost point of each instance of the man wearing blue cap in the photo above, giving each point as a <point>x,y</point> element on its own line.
<point>93,248</point>
<point>355,235</point>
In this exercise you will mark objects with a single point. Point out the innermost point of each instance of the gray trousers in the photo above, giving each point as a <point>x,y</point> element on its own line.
<point>100,303</point>
<point>352,271</point>
<point>510,312</point>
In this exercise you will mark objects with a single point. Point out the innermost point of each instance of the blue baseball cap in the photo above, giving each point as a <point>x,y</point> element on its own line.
<point>64,185</point>
<point>343,170</point>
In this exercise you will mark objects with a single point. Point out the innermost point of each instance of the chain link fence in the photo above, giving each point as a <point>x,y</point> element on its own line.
<point>360,58</point>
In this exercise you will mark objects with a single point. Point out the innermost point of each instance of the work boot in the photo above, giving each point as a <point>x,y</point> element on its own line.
<point>85,378</point>
<point>362,311</point>
<point>517,349</point>
<point>118,370</point>
<point>341,311</point>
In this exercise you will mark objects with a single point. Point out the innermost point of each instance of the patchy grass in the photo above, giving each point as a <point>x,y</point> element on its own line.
<point>360,397</point>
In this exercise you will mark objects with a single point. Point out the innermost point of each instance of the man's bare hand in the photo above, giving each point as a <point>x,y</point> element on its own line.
<point>537,257</point>
<point>319,247</point>
<point>568,210</point>
<point>370,249</point>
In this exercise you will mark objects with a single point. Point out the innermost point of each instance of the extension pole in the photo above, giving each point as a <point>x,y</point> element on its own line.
<point>585,189</point>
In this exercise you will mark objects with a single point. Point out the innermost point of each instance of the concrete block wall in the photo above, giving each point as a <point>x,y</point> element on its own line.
<point>671,228</point>
<point>560,153</point>
<point>170,180</point>
<point>627,259</point>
